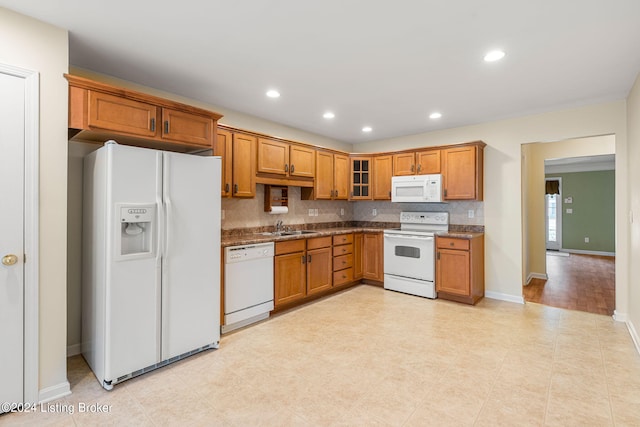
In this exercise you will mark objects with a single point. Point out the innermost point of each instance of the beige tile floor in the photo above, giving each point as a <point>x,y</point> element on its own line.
<point>369,357</point>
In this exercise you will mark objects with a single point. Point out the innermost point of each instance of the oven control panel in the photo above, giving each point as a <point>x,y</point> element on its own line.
<point>427,218</point>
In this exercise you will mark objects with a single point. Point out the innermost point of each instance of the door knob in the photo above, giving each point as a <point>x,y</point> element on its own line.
<point>9,259</point>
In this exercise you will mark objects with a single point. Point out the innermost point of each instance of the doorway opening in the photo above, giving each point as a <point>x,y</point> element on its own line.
<point>570,219</point>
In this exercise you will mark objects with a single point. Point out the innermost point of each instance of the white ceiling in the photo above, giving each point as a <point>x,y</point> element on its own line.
<point>384,64</point>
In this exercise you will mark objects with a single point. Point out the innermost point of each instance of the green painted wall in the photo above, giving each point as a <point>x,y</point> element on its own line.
<point>593,207</point>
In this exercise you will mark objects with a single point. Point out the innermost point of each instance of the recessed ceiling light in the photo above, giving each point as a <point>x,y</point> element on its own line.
<point>328,115</point>
<point>435,115</point>
<point>367,129</point>
<point>273,94</point>
<point>494,55</point>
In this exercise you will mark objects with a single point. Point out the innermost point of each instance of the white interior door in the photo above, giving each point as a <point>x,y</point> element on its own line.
<point>12,144</point>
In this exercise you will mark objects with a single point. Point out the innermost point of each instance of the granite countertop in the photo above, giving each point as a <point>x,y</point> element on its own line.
<point>251,236</point>
<point>460,234</point>
<point>248,238</point>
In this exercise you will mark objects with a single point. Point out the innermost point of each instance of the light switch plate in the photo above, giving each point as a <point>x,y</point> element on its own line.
<point>569,211</point>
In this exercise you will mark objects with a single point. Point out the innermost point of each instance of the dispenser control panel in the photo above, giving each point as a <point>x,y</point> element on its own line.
<point>129,214</point>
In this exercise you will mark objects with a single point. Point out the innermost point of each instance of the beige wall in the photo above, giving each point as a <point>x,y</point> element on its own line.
<point>231,117</point>
<point>31,44</point>
<point>504,264</point>
<point>534,156</point>
<point>633,123</point>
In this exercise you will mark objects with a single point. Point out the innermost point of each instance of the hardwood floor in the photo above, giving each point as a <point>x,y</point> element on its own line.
<point>576,282</point>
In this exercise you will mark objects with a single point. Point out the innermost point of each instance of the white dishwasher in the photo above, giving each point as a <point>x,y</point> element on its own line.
<point>248,284</point>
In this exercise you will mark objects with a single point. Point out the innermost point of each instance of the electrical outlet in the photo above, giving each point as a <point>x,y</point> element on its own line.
<point>374,212</point>
<point>471,213</point>
<point>341,211</point>
<point>586,240</point>
<point>310,212</point>
<point>569,211</point>
<point>315,212</point>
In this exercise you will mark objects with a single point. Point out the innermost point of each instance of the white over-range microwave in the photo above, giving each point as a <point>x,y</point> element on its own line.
<point>416,189</point>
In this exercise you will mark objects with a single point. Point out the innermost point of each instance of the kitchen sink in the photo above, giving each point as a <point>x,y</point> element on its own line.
<point>286,233</point>
<point>297,232</point>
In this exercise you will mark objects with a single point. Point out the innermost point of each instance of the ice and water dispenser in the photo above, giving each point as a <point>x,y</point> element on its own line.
<point>137,223</point>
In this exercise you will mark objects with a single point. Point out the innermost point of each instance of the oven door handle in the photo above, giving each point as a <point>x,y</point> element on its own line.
<point>407,236</point>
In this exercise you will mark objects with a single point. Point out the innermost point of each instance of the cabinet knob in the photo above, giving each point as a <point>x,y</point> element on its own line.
<point>153,124</point>
<point>292,168</point>
<point>226,187</point>
<point>412,168</point>
<point>450,243</point>
<point>286,168</point>
<point>166,126</point>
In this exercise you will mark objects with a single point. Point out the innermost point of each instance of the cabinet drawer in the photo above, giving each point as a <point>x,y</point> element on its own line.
<point>319,242</point>
<point>452,243</point>
<point>342,262</point>
<point>290,246</point>
<point>343,249</point>
<point>343,276</point>
<point>341,239</point>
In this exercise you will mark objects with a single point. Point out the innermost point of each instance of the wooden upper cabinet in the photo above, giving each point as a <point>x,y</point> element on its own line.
<point>302,161</point>
<point>382,173</point>
<point>99,111</point>
<point>404,164</point>
<point>423,162</point>
<point>323,186</point>
<point>462,169</point>
<point>244,165</point>
<point>360,178</point>
<point>186,127</point>
<point>273,156</point>
<point>119,114</point>
<point>223,147</point>
<point>283,160</point>
<point>428,162</point>
<point>331,176</point>
<point>340,177</point>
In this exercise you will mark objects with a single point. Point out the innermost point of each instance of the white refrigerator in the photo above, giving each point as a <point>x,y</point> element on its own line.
<point>151,259</point>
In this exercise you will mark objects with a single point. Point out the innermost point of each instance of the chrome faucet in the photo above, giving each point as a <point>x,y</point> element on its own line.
<point>279,226</point>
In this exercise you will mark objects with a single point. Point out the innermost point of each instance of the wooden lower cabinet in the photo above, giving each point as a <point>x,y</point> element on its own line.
<point>301,268</point>
<point>319,259</point>
<point>290,273</point>
<point>460,268</point>
<point>342,259</point>
<point>358,242</point>
<point>372,256</point>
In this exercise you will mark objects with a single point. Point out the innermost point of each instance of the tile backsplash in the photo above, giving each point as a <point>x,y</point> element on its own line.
<point>242,213</point>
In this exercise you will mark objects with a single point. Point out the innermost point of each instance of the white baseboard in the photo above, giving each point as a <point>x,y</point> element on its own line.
<point>504,297</point>
<point>634,335</point>
<point>582,252</point>
<point>531,276</point>
<point>619,317</point>
<point>54,392</point>
<point>74,349</point>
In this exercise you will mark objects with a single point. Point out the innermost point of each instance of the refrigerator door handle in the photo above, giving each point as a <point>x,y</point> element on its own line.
<point>160,227</point>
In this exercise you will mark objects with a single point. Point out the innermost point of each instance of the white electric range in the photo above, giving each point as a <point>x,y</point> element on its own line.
<point>409,253</point>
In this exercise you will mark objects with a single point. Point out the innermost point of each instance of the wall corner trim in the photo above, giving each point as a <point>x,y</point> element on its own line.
<point>504,297</point>
<point>54,392</point>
